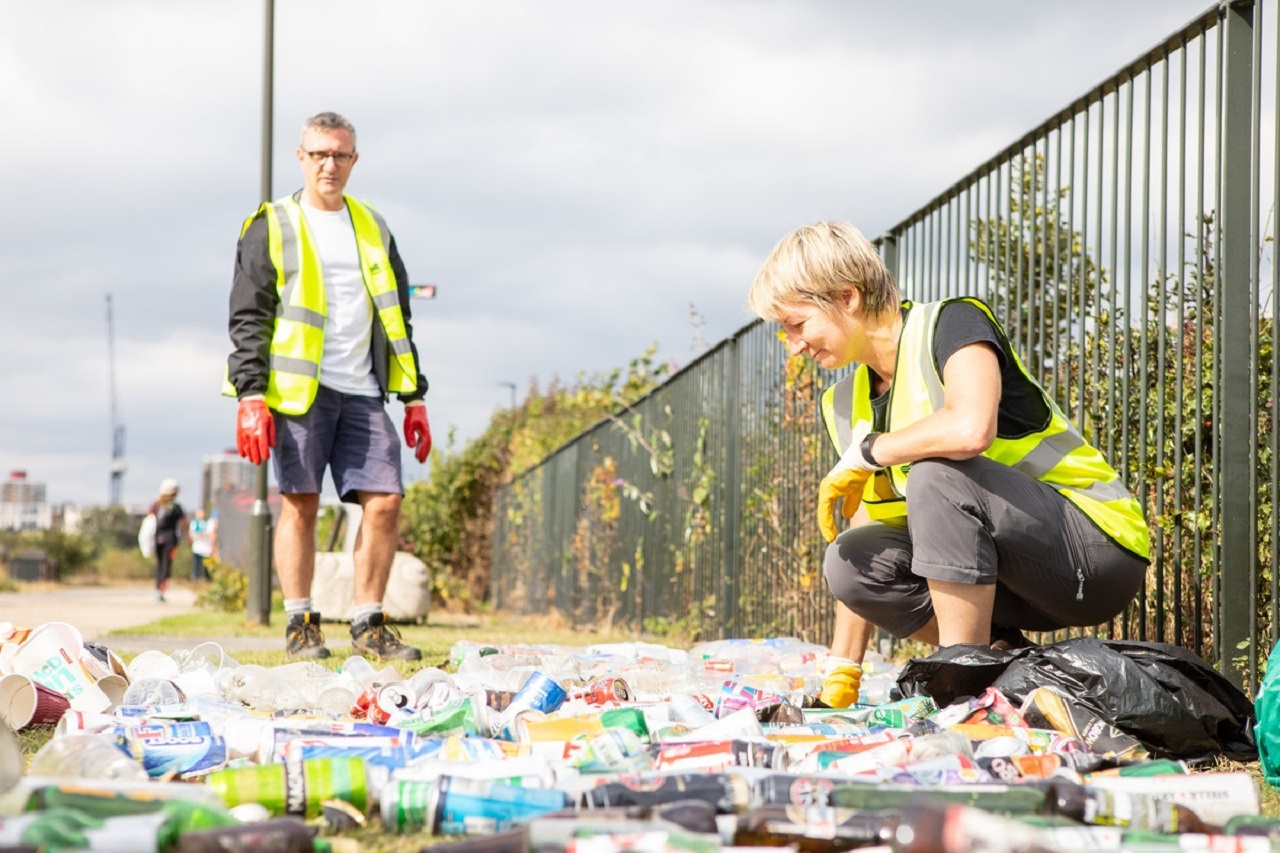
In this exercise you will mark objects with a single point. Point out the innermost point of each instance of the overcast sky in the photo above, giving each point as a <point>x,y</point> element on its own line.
<point>572,175</point>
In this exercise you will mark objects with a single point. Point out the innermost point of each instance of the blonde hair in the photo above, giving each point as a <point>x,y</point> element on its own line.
<point>818,264</point>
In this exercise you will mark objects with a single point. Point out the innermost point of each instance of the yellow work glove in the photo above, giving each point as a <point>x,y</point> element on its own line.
<point>840,686</point>
<point>840,483</point>
<point>847,480</point>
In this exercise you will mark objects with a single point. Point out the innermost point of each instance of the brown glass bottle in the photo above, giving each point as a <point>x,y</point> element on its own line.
<point>1103,807</point>
<point>813,829</point>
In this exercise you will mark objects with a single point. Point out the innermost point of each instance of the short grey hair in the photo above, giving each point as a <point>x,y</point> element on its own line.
<point>330,121</point>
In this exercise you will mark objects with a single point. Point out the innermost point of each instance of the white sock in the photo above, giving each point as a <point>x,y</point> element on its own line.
<point>296,606</point>
<point>833,663</point>
<point>364,611</point>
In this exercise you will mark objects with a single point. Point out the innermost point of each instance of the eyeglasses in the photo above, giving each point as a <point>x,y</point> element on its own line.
<point>341,158</point>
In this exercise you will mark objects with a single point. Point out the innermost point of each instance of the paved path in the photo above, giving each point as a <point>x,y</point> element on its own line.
<point>95,610</point>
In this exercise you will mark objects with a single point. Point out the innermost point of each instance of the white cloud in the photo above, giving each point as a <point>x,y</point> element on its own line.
<point>572,175</point>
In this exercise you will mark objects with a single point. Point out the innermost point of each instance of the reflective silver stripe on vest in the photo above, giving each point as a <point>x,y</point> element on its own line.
<point>297,366</point>
<point>932,377</point>
<point>389,299</point>
<point>290,256</point>
<point>842,410</point>
<point>290,259</point>
<point>302,315</point>
<point>1046,455</point>
<point>383,231</point>
<point>401,346</point>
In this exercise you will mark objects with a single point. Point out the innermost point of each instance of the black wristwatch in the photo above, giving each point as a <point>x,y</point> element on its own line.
<point>868,440</point>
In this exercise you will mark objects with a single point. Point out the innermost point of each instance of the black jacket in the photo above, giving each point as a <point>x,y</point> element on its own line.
<point>253,314</point>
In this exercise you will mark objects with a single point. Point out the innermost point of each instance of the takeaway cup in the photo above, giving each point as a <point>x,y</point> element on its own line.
<point>26,704</point>
<point>51,656</point>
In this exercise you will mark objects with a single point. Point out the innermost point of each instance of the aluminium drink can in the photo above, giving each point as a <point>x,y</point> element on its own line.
<point>185,757</point>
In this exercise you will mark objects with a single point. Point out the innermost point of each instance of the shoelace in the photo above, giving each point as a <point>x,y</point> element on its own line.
<point>388,635</point>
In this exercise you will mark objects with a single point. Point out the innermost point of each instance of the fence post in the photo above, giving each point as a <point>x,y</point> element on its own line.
<point>889,254</point>
<point>1235,434</point>
<point>729,589</point>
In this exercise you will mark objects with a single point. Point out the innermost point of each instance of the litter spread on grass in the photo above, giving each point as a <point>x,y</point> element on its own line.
<point>634,746</point>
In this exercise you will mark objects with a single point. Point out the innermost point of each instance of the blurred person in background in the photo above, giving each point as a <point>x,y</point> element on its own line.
<point>201,545</point>
<point>171,527</point>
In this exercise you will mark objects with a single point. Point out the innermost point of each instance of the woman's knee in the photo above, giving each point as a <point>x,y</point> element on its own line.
<point>845,567</point>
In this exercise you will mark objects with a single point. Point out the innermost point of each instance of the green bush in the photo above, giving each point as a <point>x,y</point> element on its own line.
<point>227,589</point>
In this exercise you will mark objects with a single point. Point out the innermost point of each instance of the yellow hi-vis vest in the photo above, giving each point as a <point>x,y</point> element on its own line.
<point>1058,455</point>
<point>297,342</point>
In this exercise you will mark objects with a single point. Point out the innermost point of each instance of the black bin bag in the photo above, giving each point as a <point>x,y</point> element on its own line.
<point>1167,697</point>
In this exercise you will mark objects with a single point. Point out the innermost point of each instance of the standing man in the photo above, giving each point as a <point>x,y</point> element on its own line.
<point>320,333</point>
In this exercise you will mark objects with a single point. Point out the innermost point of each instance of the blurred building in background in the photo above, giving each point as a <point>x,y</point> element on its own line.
<point>222,473</point>
<point>23,505</point>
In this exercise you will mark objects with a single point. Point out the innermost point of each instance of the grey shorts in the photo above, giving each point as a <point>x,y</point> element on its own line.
<point>351,435</point>
<point>977,521</point>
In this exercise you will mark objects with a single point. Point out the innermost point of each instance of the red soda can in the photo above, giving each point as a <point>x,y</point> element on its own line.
<point>393,698</point>
<point>604,691</point>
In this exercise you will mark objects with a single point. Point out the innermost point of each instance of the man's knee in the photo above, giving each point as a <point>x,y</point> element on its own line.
<point>381,509</point>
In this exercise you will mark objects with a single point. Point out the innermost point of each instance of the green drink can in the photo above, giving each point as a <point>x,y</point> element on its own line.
<point>405,805</point>
<point>626,718</point>
<point>458,718</point>
<point>294,787</point>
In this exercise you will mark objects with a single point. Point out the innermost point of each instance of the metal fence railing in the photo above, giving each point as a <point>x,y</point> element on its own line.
<point>1125,244</point>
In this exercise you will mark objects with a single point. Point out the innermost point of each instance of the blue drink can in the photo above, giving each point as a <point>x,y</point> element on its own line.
<point>131,733</point>
<point>539,693</point>
<point>185,757</point>
<point>458,806</point>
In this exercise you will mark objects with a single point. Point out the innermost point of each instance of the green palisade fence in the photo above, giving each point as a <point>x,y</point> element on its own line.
<point>1127,245</point>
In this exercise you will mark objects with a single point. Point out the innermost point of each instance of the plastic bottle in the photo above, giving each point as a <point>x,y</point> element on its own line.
<point>88,756</point>
<point>152,691</point>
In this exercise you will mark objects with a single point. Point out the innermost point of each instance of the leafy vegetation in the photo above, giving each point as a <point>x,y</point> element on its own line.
<point>106,547</point>
<point>447,521</point>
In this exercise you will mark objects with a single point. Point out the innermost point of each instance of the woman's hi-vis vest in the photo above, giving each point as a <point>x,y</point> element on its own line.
<point>297,342</point>
<point>1058,455</point>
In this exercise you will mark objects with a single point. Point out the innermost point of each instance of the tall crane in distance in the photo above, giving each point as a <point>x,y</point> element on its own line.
<point>117,429</point>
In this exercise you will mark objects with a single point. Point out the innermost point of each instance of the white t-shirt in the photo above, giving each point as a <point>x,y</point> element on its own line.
<point>347,363</point>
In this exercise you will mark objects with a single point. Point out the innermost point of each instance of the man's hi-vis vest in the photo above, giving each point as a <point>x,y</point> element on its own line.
<point>1057,455</point>
<point>297,342</point>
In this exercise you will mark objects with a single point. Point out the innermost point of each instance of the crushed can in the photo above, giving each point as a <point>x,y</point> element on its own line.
<point>185,757</point>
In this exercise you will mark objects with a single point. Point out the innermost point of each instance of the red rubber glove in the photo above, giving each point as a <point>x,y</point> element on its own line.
<point>417,432</point>
<point>255,430</point>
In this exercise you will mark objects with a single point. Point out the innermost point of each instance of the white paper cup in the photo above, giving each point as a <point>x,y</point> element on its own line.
<point>26,704</point>
<point>17,701</point>
<point>51,656</point>
<point>114,686</point>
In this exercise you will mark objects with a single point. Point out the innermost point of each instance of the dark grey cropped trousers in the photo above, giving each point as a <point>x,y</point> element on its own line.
<point>978,521</point>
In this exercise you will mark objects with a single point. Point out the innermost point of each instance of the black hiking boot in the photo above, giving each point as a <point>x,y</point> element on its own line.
<point>373,637</point>
<point>1008,639</point>
<point>303,638</point>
